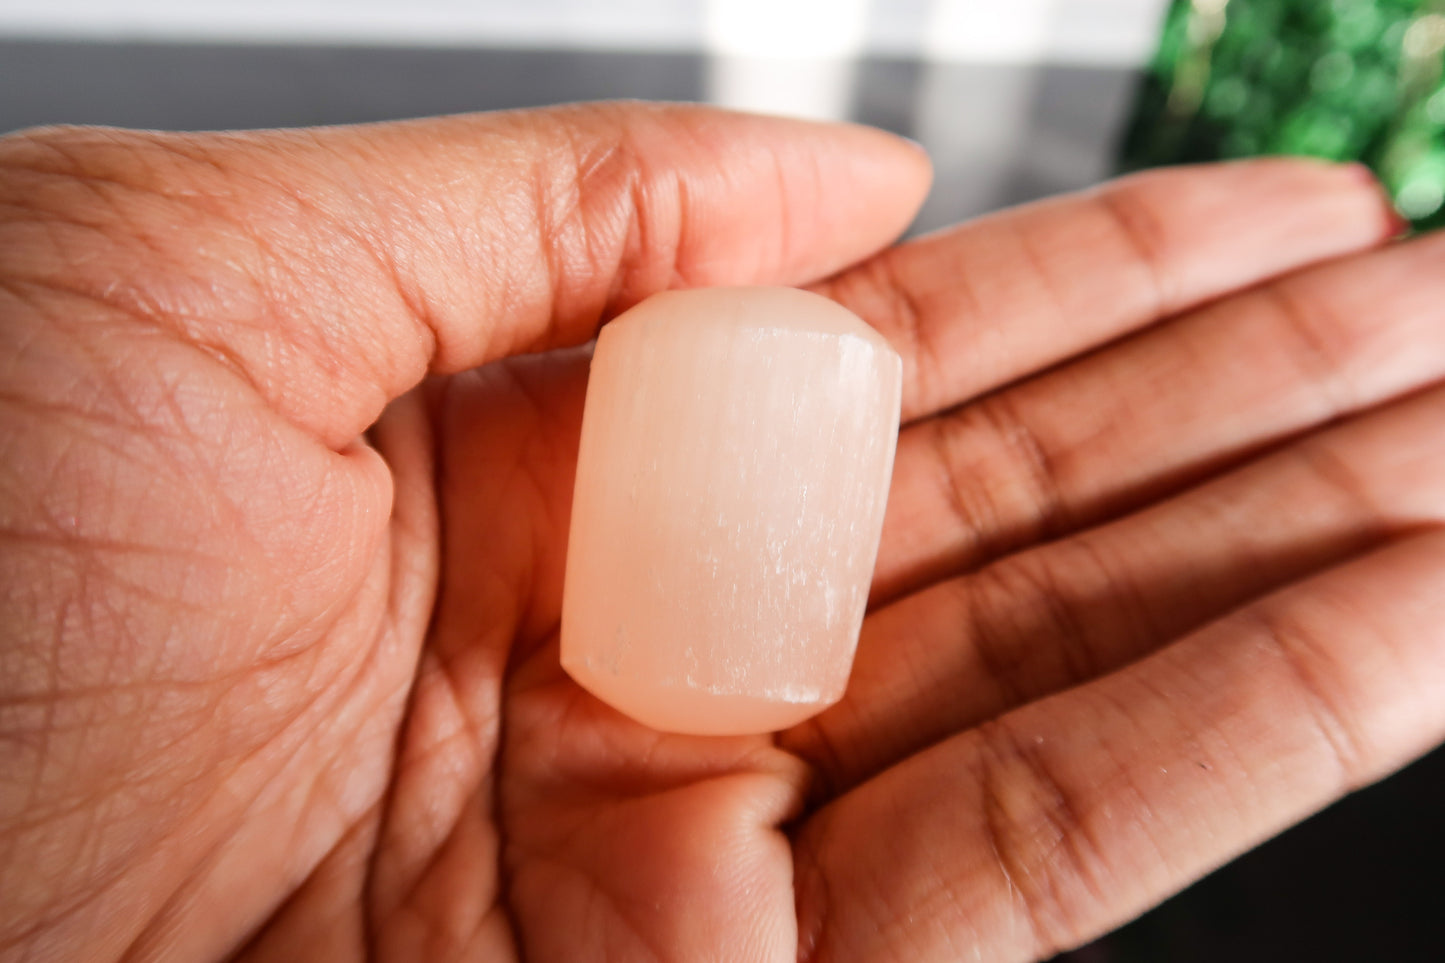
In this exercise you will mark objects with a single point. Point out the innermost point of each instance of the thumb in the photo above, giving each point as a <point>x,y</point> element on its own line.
<point>331,268</point>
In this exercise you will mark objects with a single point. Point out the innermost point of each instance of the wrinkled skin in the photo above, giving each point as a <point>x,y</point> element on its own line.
<point>288,424</point>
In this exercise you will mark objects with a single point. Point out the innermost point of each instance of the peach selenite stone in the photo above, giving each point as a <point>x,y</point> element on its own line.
<point>737,445</point>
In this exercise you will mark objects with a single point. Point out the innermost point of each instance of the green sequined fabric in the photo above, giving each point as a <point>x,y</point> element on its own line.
<point>1340,79</point>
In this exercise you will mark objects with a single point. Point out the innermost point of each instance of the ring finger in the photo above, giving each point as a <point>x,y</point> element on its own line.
<point>1041,621</point>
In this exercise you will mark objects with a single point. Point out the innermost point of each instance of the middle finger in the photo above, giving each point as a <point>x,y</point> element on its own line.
<point>1128,424</point>
<point>1043,620</point>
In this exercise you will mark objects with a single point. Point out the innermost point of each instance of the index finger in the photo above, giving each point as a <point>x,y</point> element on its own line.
<point>994,300</point>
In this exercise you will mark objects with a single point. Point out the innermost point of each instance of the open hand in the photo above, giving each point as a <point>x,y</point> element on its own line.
<point>288,423</point>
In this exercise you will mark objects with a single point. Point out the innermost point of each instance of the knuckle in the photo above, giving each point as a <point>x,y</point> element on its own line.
<point>1130,207</point>
<point>1294,640</point>
<point>1030,630</point>
<point>1319,340</point>
<point>1034,460</point>
<point>1036,827</point>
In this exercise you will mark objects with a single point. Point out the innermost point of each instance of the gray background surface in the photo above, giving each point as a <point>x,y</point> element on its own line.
<point>999,133</point>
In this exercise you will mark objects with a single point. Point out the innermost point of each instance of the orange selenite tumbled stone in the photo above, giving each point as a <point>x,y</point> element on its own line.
<point>737,445</point>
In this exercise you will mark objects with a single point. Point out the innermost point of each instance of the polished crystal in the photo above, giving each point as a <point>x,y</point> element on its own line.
<point>736,451</point>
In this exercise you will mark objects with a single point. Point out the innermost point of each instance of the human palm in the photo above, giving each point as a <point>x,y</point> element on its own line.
<point>289,422</point>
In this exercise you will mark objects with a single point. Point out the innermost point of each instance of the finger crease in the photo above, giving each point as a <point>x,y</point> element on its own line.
<point>1035,832</point>
<point>1039,466</point>
<point>1318,357</point>
<point>909,316</point>
<point>1287,639</point>
<point>1142,235</point>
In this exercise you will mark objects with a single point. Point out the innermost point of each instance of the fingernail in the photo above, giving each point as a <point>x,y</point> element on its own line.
<point>1395,222</point>
<point>1399,225</point>
<point>1362,173</point>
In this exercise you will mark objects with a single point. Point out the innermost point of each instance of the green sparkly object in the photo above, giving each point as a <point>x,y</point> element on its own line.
<point>1339,79</point>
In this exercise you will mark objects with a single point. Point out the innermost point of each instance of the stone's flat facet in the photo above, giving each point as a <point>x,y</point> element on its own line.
<point>737,445</point>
